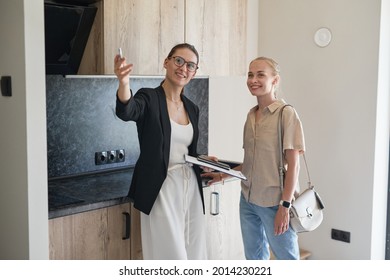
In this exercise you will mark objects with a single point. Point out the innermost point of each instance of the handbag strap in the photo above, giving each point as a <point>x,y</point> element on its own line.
<point>281,165</point>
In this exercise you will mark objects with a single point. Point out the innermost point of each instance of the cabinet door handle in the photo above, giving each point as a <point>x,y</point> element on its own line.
<point>214,203</point>
<point>127,226</point>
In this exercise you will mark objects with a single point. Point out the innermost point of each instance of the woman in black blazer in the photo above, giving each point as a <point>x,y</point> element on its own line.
<point>166,190</point>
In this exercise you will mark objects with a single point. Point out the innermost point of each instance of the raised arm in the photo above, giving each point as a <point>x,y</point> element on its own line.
<point>122,71</point>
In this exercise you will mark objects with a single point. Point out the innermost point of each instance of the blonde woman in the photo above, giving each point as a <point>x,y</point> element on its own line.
<point>264,208</point>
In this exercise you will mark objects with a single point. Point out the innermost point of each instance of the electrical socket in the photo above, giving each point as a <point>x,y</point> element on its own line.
<point>341,235</point>
<point>100,158</point>
<point>108,157</point>
<point>120,155</point>
<point>111,156</point>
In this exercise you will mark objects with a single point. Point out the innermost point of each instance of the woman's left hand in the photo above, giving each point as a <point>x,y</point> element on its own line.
<point>282,220</point>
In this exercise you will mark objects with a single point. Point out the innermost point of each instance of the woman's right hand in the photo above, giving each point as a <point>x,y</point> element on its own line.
<point>122,70</point>
<point>214,177</point>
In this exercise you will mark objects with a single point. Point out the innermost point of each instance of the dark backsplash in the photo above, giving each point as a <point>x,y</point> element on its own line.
<point>81,120</point>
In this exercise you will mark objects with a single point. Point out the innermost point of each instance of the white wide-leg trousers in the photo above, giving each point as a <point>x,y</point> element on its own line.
<point>175,229</point>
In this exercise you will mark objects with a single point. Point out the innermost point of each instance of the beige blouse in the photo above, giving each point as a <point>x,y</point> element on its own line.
<point>261,152</point>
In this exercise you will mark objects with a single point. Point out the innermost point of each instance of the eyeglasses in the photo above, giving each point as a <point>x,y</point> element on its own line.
<point>179,61</point>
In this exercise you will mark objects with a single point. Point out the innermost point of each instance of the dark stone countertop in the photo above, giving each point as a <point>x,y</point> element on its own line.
<point>76,194</point>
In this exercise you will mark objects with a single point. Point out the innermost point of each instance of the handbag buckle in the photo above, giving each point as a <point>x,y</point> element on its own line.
<point>309,212</point>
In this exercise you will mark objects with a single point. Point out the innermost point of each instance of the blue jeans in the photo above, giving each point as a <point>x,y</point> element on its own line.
<point>257,228</point>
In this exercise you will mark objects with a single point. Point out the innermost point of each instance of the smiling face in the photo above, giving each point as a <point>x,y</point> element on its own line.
<point>262,78</point>
<point>180,75</point>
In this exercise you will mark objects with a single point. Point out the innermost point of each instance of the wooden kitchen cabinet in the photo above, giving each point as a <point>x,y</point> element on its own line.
<point>147,30</point>
<point>218,30</point>
<point>118,237</point>
<point>136,246</point>
<point>92,235</point>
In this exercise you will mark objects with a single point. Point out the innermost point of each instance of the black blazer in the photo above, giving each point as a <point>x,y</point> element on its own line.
<point>148,108</point>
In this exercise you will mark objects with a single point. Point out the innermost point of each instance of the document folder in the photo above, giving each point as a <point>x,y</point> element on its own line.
<point>230,172</point>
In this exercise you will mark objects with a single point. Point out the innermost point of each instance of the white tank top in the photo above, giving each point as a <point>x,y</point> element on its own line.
<point>181,138</point>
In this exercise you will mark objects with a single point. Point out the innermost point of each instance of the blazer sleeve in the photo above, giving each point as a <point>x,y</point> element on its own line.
<point>134,109</point>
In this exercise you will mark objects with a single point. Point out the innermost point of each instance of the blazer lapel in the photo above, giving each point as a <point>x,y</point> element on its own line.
<point>192,114</point>
<point>165,124</point>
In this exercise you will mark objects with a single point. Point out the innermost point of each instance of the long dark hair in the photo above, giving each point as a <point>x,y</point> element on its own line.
<point>184,46</point>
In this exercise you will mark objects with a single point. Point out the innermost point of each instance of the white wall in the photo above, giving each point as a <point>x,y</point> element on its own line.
<point>381,169</point>
<point>344,106</point>
<point>23,170</point>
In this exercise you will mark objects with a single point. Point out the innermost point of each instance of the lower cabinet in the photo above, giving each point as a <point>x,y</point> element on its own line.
<point>224,241</point>
<point>136,246</point>
<point>102,234</point>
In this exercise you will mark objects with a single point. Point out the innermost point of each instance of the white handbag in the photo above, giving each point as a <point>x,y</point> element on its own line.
<point>306,212</point>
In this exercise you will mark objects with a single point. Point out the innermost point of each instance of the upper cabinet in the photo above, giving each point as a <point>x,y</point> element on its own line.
<point>218,29</point>
<point>147,30</point>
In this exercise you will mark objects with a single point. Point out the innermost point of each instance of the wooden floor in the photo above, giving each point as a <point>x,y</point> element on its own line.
<point>304,254</point>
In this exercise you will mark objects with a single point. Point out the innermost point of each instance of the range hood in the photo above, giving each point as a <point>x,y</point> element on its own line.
<point>67,29</point>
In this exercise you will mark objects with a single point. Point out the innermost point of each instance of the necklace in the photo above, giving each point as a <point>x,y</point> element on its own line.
<point>178,104</point>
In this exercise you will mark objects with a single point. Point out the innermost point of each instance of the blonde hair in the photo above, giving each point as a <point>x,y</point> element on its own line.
<point>274,65</point>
